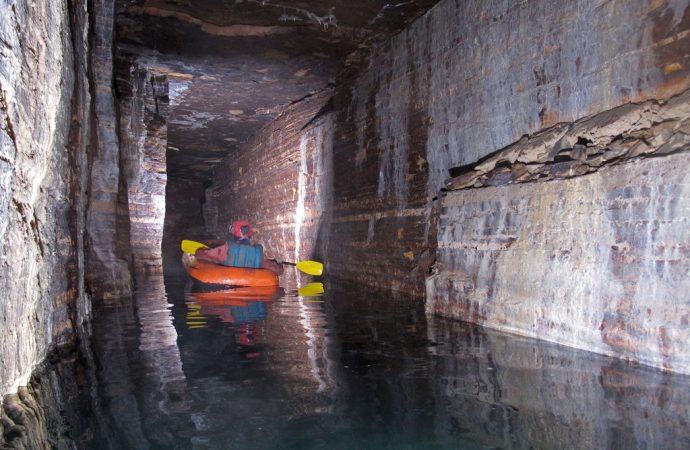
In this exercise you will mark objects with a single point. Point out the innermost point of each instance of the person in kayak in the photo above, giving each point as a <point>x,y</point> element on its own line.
<point>241,235</point>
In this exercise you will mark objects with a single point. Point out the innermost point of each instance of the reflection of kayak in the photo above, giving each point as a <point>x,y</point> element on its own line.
<point>236,312</point>
<point>238,305</point>
<point>210,273</point>
<point>238,296</point>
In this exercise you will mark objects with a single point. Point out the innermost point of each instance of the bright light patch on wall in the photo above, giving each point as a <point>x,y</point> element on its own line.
<point>175,90</point>
<point>301,194</point>
<point>159,206</point>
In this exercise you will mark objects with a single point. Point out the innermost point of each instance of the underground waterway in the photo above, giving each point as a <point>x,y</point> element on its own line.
<point>349,369</point>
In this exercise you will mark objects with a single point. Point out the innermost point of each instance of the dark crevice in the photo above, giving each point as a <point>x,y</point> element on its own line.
<point>460,170</point>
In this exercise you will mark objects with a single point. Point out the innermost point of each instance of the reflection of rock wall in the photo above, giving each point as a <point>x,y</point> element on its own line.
<point>507,392</point>
<point>598,262</point>
<point>162,391</point>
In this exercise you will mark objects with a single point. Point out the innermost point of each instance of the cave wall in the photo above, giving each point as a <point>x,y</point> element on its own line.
<point>452,98</point>
<point>42,97</point>
<point>567,216</point>
<point>595,254</point>
<point>280,183</point>
<point>592,250</point>
<point>72,196</point>
<point>143,130</point>
<point>109,254</point>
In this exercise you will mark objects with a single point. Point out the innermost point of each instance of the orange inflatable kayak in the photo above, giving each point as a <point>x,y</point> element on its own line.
<point>210,273</point>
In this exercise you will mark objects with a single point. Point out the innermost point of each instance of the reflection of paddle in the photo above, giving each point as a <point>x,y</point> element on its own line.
<point>308,267</point>
<point>311,290</point>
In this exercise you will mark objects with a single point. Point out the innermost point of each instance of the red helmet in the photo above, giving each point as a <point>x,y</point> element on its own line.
<point>242,228</point>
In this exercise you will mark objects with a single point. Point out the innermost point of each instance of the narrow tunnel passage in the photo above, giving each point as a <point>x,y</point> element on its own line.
<point>515,165</point>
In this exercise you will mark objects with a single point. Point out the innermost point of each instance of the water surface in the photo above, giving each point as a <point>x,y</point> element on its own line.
<point>355,369</point>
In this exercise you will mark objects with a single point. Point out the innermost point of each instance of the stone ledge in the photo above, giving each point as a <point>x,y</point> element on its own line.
<point>618,136</point>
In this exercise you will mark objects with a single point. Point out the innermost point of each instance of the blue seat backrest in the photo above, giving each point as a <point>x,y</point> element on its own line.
<point>249,256</point>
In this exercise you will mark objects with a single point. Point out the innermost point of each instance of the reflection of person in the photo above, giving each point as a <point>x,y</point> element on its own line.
<point>241,235</point>
<point>248,335</point>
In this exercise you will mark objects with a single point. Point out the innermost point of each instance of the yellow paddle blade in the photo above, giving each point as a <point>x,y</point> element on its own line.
<point>191,247</point>
<point>310,267</point>
<point>311,290</point>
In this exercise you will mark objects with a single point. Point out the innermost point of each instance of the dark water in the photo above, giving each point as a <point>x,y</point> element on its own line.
<point>355,369</point>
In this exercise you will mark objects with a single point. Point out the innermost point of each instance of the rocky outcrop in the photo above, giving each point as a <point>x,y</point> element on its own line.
<point>107,218</point>
<point>143,101</point>
<point>622,135</point>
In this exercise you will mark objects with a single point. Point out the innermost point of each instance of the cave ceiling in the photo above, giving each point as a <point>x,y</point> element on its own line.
<point>233,66</point>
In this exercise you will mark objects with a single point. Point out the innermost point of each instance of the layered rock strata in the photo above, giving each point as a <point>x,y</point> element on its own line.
<point>43,106</point>
<point>477,94</point>
<point>71,200</point>
<point>143,111</point>
<point>578,235</point>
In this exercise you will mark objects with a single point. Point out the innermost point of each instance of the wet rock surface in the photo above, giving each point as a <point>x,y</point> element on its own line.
<point>595,258</point>
<point>38,247</point>
<point>143,111</point>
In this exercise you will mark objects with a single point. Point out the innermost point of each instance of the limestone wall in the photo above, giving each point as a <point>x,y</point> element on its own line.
<point>64,215</point>
<point>596,261</point>
<point>576,232</point>
<point>359,181</point>
<point>37,247</point>
<point>466,80</point>
<point>107,216</point>
<point>486,73</point>
<point>143,110</point>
